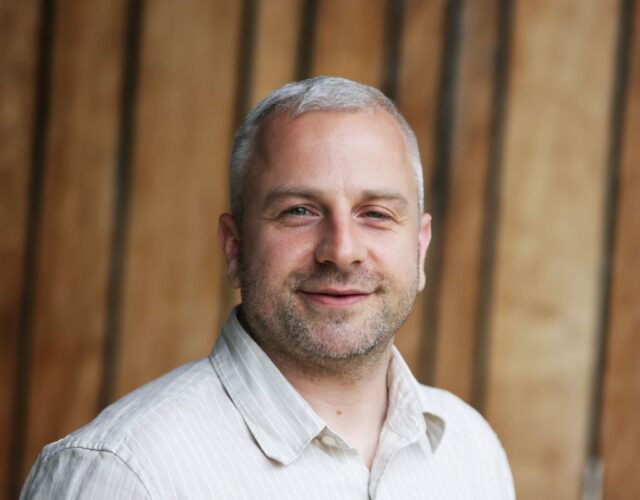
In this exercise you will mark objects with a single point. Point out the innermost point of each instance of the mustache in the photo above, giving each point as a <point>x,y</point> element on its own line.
<point>328,276</point>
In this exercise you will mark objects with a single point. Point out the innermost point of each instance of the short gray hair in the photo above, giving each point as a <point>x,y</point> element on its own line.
<point>323,93</point>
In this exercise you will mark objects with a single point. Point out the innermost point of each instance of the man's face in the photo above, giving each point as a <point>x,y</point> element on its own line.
<point>330,254</point>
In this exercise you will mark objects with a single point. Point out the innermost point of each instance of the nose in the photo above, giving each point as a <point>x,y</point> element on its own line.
<point>340,243</point>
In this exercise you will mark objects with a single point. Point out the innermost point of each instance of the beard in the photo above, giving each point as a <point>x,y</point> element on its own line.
<point>316,338</point>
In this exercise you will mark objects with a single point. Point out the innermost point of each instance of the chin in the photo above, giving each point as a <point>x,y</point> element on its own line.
<point>343,344</point>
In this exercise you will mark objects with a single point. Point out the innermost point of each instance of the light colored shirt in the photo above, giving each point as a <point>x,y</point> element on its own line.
<point>231,426</point>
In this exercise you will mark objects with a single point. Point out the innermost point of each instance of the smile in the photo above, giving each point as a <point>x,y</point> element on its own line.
<point>336,298</point>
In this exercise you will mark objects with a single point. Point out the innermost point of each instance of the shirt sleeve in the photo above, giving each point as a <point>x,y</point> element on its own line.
<point>80,473</point>
<point>505,479</point>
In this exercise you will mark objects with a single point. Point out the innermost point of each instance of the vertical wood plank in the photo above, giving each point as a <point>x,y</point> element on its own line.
<point>349,40</point>
<point>274,59</point>
<point>621,404</point>
<point>18,58</point>
<point>72,264</point>
<point>418,79</point>
<point>185,112</point>
<point>462,246</point>
<point>276,46</point>
<point>544,315</point>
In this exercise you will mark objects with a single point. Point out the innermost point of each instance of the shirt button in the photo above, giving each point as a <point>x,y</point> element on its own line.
<point>328,440</point>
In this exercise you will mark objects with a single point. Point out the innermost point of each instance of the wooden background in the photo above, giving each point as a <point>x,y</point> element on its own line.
<point>115,124</point>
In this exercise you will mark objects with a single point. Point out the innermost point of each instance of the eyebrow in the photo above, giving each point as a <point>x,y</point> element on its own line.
<point>313,194</point>
<point>290,192</point>
<point>387,195</point>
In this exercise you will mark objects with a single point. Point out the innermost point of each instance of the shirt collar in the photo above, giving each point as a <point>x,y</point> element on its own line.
<point>410,414</point>
<point>281,421</point>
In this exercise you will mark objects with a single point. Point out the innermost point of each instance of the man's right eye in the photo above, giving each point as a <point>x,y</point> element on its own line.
<point>297,211</point>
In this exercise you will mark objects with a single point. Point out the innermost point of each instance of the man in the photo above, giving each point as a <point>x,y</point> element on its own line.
<point>303,395</point>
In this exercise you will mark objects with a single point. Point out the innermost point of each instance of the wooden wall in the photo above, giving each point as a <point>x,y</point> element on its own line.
<point>115,126</point>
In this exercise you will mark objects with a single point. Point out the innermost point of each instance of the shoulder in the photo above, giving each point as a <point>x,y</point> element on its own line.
<point>146,424</point>
<point>468,442</point>
<point>76,472</point>
<point>462,422</point>
<point>450,407</point>
<point>171,396</point>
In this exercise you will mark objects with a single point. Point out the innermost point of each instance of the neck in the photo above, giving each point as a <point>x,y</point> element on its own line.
<point>350,395</point>
<point>354,407</point>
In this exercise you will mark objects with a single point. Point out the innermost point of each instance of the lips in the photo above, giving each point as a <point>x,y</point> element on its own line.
<point>336,297</point>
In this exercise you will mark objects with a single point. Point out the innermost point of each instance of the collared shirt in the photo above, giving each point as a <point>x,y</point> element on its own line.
<point>231,426</point>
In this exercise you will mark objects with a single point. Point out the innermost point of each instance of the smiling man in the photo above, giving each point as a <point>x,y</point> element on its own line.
<point>303,395</point>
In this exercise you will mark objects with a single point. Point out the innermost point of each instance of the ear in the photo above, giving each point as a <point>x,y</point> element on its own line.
<point>424,237</point>
<point>229,241</point>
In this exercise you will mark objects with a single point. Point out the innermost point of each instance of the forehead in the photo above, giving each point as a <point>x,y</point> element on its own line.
<point>333,150</point>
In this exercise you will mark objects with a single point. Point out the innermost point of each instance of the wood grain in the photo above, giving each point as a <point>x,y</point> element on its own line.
<point>274,58</point>
<point>276,46</point>
<point>419,74</point>
<point>462,246</point>
<point>349,43</point>
<point>18,60</point>
<point>173,267</point>
<point>544,313</point>
<point>72,263</point>
<point>621,409</point>
<point>349,40</point>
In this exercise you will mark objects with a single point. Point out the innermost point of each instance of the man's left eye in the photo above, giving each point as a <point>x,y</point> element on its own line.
<point>374,214</point>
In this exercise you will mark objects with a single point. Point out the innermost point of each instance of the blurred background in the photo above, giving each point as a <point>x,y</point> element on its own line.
<point>116,118</point>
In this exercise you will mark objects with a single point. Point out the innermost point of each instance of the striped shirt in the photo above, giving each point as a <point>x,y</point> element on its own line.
<point>231,426</point>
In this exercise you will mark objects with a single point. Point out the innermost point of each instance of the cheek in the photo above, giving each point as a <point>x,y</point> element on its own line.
<point>276,253</point>
<point>397,251</point>
<point>397,259</point>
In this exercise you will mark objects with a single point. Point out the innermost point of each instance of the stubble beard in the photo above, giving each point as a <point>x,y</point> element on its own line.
<point>313,339</point>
